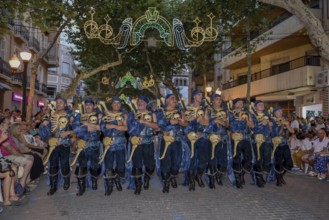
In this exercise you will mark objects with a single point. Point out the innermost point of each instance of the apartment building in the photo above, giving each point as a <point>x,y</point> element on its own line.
<point>61,77</point>
<point>286,68</point>
<point>23,36</point>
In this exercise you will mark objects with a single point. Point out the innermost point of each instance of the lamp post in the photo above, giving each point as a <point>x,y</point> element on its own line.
<point>208,91</point>
<point>14,63</point>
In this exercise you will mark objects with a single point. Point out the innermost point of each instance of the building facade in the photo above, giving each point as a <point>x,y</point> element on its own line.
<point>24,37</point>
<point>61,77</point>
<point>285,66</point>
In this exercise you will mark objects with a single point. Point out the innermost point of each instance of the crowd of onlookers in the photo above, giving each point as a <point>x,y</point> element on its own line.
<point>21,157</point>
<point>22,148</point>
<point>309,145</point>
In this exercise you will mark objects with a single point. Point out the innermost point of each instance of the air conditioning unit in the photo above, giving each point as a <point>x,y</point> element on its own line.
<point>322,79</point>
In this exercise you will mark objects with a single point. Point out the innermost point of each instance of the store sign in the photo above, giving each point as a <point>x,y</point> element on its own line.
<point>17,97</point>
<point>40,104</point>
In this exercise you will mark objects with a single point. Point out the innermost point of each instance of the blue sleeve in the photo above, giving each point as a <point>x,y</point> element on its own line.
<point>45,132</point>
<point>81,131</point>
<point>76,121</point>
<point>134,127</point>
<point>163,123</point>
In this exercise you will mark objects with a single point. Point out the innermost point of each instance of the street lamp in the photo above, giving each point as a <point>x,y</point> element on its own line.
<point>14,63</point>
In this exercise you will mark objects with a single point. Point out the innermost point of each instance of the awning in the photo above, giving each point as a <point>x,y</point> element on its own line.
<point>5,86</point>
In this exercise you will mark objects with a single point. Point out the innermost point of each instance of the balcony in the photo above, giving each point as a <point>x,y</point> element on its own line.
<point>34,44</point>
<point>294,74</point>
<point>5,70</point>
<point>21,33</point>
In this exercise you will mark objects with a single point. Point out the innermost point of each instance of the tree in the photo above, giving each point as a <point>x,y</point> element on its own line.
<point>312,24</point>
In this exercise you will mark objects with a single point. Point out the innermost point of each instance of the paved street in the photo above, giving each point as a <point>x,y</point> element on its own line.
<point>302,198</point>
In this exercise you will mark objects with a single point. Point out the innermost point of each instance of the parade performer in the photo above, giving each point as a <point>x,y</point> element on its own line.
<point>56,131</point>
<point>198,119</point>
<point>141,126</point>
<point>262,142</point>
<point>86,127</point>
<point>218,137</point>
<point>240,140</point>
<point>281,153</point>
<point>113,126</point>
<point>171,122</point>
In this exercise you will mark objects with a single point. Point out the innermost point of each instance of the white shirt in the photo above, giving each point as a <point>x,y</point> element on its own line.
<point>295,124</point>
<point>318,126</point>
<point>294,143</point>
<point>320,145</point>
<point>307,144</point>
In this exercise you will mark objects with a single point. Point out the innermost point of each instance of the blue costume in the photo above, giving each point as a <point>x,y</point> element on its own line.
<point>89,142</point>
<point>171,136</point>
<point>60,155</point>
<point>262,145</point>
<point>142,141</point>
<point>114,160</point>
<point>282,157</point>
<point>240,144</point>
<point>218,136</point>
<point>201,151</point>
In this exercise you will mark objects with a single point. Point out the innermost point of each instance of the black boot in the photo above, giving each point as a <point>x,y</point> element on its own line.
<point>191,180</point>
<point>66,175</point>
<point>278,179</point>
<point>219,175</point>
<point>173,181</point>
<point>146,181</point>
<point>282,180</point>
<point>109,184</point>
<point>53,176</point>
<point>198,178</point>
<point>237,174</point>
<point>109,179</point>
<point>259,180</point>
<point>94,176</point>
<point>82,186</point>
<point>166,182</point>
<point>211,177</point>
<point>138,184</point>
<point>242,177</point>
<point>118,184</point>
<point>279,174</point>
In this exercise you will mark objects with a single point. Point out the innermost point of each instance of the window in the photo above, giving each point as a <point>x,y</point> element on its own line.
<point>66,68</point>
<point>2,48</point>
<point>51,92</point>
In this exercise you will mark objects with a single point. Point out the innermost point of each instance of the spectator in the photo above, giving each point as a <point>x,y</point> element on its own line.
<point>37,168</point>
<point>320,145</point>
<point>294,123</point>
<point>10,151</point>
<point>319,123</point>
<point>303,149</point>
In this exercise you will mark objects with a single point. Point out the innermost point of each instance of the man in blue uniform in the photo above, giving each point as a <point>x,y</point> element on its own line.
<point>56,130</point>
<point>141,127</point>
<point>86,127</point>
<point>113,126</point>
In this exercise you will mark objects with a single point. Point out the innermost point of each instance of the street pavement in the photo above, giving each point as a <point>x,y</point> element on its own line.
<point>303,197</point>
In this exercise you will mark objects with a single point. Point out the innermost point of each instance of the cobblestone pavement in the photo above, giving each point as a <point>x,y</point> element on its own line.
<point>302,198</point>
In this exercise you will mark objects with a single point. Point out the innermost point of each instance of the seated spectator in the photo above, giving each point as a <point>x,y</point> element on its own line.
<point>320,145</point>
<point>321,164</point>
<point>10,151</point>
<point>8,187</point>
<point>319,123</point>
<point>305,146</point>
<point>17,135</point>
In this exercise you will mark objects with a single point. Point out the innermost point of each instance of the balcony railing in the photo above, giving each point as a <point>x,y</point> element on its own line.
<point>35,43</point>
<point>44,88</point>
<point>20,29</point>
<point>5,68</point>
<point>274,70</point>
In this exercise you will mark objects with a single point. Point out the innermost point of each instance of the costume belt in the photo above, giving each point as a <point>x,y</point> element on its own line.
<point>260,139</point>
<point>135,141</point>
<point>214,139</point>
<point>276,142</point>
<point>107,141</point>
<point>237,137</point>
